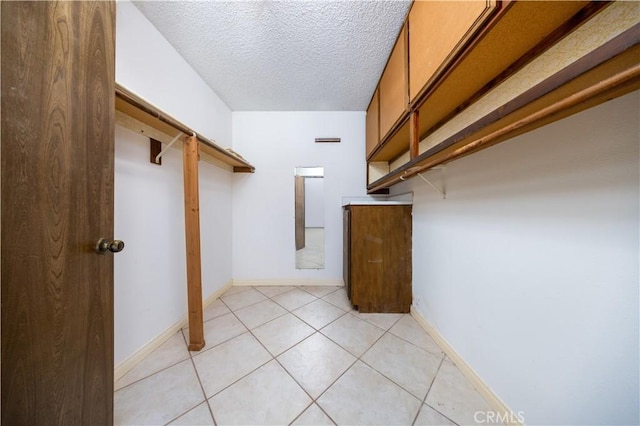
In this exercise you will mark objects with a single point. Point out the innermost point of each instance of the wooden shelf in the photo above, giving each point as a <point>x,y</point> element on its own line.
<point>609,71</point>
<point>515,35</point>
<point>138,115</point>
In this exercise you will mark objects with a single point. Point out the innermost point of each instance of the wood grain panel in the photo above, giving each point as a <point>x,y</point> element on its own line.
<point>58,70</point>
<point>437,31</point>
<point>380,258</point>
<point>393,87</point>
<point>373,124</point>
<point>190,156</point>
<point>396,144</point>
<point>531,21</point>
<point>397,292</point>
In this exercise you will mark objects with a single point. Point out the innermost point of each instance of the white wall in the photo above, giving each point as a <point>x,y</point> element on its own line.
<point>314,202</point>
<point>150,274</point>
<point>148,65</point>
<point>529,268</point>
<point>263,204</point>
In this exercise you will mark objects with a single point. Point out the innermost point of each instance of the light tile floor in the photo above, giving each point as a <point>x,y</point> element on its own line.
<point>302,356</point>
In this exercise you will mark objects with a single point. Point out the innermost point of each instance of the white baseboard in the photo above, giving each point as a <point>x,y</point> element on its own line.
<point>126,365</point>
<point>289,282</point>
<point>476,381</point>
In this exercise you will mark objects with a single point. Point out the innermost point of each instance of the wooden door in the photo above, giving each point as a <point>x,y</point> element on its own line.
<point>299,213</point>
<point>57,201</point>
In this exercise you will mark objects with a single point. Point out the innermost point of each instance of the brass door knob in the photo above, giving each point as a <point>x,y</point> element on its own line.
<point>104,245</point>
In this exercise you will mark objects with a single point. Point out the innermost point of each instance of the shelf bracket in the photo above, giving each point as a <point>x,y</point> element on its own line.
<point>155,148</point>
<point>159,156</point>
<point>442,191</point>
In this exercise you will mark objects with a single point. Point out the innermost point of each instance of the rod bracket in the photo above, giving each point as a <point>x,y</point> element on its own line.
<point>161,153</point>
<point>442,191</point>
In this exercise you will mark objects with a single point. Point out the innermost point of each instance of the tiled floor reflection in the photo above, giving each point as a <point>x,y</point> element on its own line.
<point>311,256</point>
<point>297,355</point>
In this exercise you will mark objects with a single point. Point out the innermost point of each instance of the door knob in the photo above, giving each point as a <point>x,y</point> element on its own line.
<point>104,245</point>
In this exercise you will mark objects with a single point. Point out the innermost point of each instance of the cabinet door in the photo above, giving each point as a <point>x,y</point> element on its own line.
<point>396,293</point>
<point>373,131</point>
<point>437,31</point>
<point>381,258</point>
<point>367,256</point>
<point>393,86</point>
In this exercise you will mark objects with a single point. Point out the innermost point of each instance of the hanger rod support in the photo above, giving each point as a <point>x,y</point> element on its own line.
<point>442,192</point>
<point>168,146</point>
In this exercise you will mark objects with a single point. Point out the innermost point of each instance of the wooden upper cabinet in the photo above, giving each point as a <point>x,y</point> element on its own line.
<point>437,31</point>
<point>393,90</point>
<point>373,133</point>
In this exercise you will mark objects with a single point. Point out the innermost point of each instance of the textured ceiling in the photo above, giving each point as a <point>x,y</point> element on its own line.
<point>283,55</point>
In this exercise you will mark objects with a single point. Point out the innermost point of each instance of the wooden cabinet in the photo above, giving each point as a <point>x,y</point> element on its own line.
<point>372,124</point>
<point>377,257</point>
<point>465,75</point>
<point>393,86</point>
<point>438,30</point>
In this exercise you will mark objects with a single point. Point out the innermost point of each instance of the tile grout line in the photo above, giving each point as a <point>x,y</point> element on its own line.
<point>274,358</point>
<point>301,413</point>
<point>206,400</point>
<point>398,384</point>
<point>316,331</point>
<point>376,370</point>
<point>154,373</point>
<point>249,331</point>
<point>190,358</point>
<point>297,307</point>
<point>424,401</point>
<point>350,366</point>
<point>411,343</point>
<point>250,372</point>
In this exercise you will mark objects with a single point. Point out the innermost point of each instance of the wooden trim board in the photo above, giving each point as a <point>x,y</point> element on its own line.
<point>476,381</point>
<point>192,235</point>
<point>125,366</point>
<point>141,111</point>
